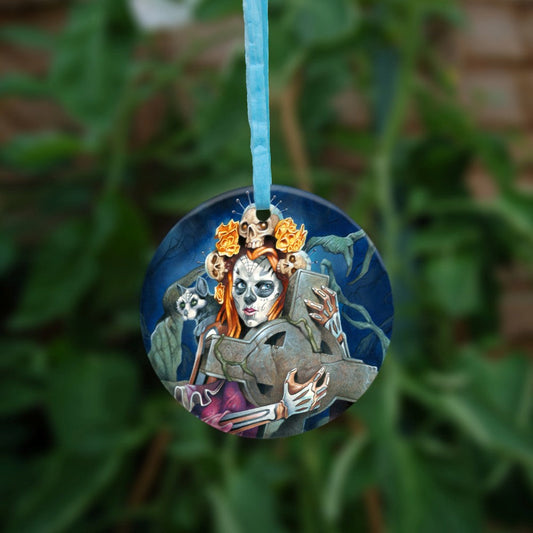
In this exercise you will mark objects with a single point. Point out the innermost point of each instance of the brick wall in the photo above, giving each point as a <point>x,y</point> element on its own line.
<point>28,115</point>
<point>495,61</point>
<point>495,65</point>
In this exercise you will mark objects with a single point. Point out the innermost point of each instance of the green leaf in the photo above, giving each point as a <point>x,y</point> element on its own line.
<point>427,494</point>
<point>8,253</point>
<point>28,36</point>
<point>516,210</point>
<point>504,385</point>
<point>208,10</point>
<point>92,66</point>
<point>444,238</point>
<point>23,370</point>
<point>446,10</point>
<point>40,151</point>
<point>496,158</point>
<point>235,505</point>
<point>23,86</point>
<point>192,440</point>
<point>316,22</point>
<point>225,519</point>
<point>286,55</point>
<point>62,271</point>
<point>91,400</point>
<point>489,430</point>
<point>454,283</point>
<point>64,490</point>
<point>444,118</point>
<point>340,470</point>
<point>19,396</point>
<point>120,239</point>
<point>226,110</point>
<point>189,194</point>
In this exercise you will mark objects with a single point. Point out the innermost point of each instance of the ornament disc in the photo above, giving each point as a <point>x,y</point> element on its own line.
<point>266,327</point>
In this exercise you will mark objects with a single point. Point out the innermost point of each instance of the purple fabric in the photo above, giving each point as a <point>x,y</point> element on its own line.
<point>227,399</point>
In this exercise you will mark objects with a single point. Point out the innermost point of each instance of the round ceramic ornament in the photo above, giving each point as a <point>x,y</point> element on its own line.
<point>266,328</point>
<point>266,312</point>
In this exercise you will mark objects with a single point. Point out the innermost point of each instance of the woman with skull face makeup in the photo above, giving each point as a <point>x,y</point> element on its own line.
<point>253,293</point>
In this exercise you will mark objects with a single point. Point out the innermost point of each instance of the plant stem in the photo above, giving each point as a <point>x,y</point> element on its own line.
<point>388,139</point>
<point>293,132</point>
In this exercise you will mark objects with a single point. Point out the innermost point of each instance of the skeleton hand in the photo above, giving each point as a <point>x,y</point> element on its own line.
<point>303,397</point>
<point>325,311</point>
<point>327,314</point>
<point>297,398</point>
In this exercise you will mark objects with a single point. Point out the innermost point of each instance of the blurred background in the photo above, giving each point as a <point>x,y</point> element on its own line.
<point>117,118</point>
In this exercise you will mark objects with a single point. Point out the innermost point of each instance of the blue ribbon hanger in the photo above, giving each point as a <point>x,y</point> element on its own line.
<point>256,52</point>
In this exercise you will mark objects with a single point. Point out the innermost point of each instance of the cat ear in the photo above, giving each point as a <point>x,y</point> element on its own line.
<point>181,289</point>
<point>201,287</point>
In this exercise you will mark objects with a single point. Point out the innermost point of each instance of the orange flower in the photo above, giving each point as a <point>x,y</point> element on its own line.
<point>289,238</point>
<point>228,238</point>
<point>220,289</point>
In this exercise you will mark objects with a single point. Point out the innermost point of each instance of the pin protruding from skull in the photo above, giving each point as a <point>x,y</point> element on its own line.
<point>254,230</point>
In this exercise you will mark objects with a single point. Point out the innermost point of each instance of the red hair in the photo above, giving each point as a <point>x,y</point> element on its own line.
<point>228,316</point>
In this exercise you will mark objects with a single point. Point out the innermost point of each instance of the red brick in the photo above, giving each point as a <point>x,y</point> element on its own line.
<point>224,36</point>
<point>18,116</point>
<point>526,29</point>
<point>351,109</point>
<point>516,310</point>
<point>522,149</point>
<point>492,34</point>
<point>480,184</point>
<point>525,184</point>
<point>494,96</point>
<point>526,86</point>
<point>516,304</point>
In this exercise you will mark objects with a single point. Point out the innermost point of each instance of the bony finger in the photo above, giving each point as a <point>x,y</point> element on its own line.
<point>321,392</point>
<point>302,404</point>
<point>290,375</point>
<point>301,392</point>
<point>320,293</point>
<point>327,290</point>
<point>314,305</point>
<point>314,316</point>
<point>324,386</point>
<point>319,374</point>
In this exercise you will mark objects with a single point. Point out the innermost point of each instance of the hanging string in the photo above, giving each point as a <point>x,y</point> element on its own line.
<point>256,52</point>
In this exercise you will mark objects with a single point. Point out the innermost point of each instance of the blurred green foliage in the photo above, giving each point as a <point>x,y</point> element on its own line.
<point>92,442</point>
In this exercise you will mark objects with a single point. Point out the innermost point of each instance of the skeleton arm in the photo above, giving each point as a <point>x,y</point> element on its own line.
<point>328,315</point>
<point>297,398</point>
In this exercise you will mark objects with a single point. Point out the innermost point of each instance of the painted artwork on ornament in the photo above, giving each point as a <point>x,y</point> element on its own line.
<point>270,326</point>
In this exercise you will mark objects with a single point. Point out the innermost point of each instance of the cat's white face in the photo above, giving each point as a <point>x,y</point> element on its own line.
<point>255,290</point>
<point>189,303</point>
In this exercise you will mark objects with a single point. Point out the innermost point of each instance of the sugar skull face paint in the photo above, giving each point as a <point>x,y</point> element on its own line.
<point>255,290</point>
